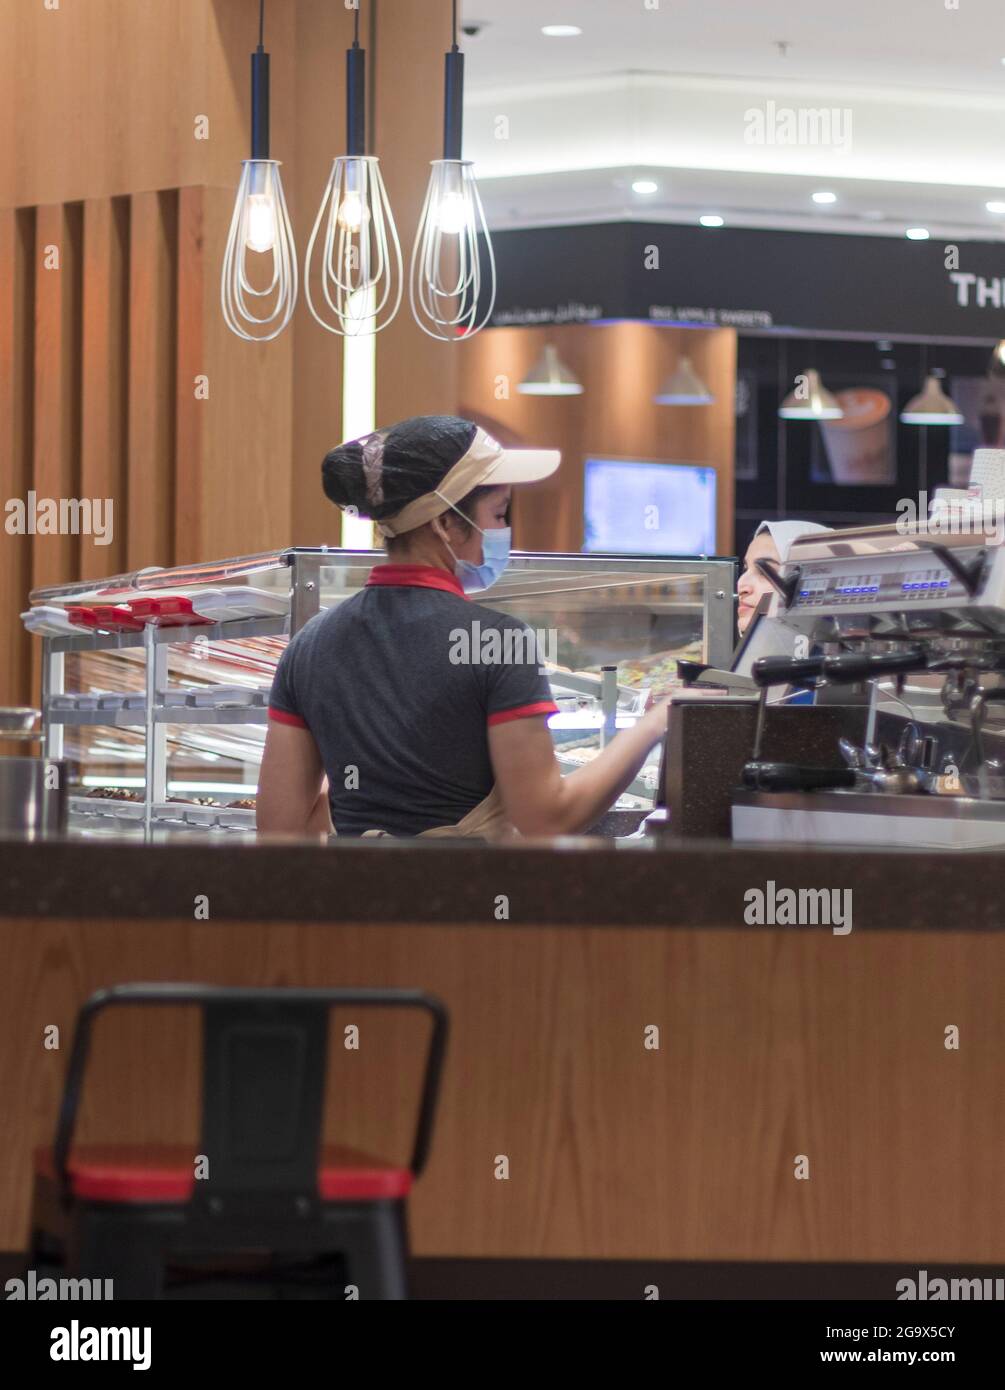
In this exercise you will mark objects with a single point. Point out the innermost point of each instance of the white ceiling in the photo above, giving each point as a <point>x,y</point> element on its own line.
<point>659,88</point>
<point>890,42</point>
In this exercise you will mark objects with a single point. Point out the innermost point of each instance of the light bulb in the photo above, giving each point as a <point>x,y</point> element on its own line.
<point>354,251</point>
<point>451,215</point>
<point>260,233</point>
<point>258,297</point>
<point>450,296</point>
<point>350,214</point>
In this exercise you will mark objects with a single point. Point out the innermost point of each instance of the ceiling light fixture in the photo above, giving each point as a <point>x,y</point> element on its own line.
<point>358,260</point>
<point>917,233</point>
<point>645,186</point>
<point>995,207</point>
<point>931,406</point>
<point>258,291</point>
<point>445,283</point>
<point>810,400</point>
<point>711,219</point>
<point>561,31</point>
<point>550,376</point>
<point>824,197</point>
<point>684,387</point>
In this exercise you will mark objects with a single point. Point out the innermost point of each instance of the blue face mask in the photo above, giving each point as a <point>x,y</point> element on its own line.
<point>495,557</point>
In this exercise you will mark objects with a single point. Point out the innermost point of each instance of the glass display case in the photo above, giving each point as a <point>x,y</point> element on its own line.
<point>155,684</point>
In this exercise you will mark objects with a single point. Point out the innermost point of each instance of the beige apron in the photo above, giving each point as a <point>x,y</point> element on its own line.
<point>487,821</point>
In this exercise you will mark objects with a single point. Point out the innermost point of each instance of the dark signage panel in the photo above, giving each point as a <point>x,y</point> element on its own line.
<point>747,279</point>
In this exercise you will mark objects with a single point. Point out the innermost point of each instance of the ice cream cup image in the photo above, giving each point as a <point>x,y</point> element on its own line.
<point>858,445</point>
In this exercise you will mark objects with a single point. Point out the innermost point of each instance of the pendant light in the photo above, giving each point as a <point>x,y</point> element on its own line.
<point>258,287</point>
<point>550,376</point>
<point>812,402</point>
<point>684,387</point>
<point>445,284</point>
<point>996,367</point>
<point>358,255</point>
<point>931,406</point>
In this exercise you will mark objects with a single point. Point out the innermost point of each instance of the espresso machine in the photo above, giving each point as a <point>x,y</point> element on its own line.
<point>913,613</point>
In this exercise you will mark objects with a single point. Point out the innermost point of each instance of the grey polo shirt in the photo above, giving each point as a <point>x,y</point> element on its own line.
<point>399,686</point>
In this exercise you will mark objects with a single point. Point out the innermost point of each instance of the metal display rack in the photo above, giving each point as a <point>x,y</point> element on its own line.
<point>307,577</point>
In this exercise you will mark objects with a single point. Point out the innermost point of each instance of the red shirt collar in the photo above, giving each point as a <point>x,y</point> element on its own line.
<point>416,577</point>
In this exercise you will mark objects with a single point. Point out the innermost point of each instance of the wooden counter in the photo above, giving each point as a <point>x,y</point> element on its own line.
<point>774,1042</point>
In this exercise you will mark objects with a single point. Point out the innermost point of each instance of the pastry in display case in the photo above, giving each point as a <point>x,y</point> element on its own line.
<point>156,683</point>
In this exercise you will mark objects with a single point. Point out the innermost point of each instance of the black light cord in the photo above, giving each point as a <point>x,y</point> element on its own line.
<point>455,26</point>
<point>355,32</point>
<point>261,23</point>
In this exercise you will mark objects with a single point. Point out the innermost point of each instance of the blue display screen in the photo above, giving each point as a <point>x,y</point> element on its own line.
<point>649,508</point>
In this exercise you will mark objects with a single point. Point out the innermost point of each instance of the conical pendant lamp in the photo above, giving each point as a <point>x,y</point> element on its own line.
<point>450,297</point>
<point>684,387</point>
<point>258,285</point>
<point>550,376</point>
<point>931,406</point>
<point>354,254</point>
<point>810,400</point>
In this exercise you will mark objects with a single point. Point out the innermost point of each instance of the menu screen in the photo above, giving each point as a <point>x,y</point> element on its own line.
<point>649,508</point>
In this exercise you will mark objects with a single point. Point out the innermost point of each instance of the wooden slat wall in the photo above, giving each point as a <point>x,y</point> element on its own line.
<point>105,382</point>
<point>153,255</point>
<point>100,358</point>
<point>17,241</point>
<point>56,468</point>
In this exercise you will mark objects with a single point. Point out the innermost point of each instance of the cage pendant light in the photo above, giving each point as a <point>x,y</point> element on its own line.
<point>450,296</point>
<point>258,285</point>
<point>354,255</point>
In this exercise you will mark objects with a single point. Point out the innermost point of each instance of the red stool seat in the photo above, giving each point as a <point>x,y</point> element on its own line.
<point>166,1173</point>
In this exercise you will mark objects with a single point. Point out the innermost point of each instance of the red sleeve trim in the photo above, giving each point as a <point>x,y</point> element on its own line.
<point>281,717</point>
<point>503,716</point>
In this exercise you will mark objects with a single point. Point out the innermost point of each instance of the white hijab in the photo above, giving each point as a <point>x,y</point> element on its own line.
<point>783,533</point>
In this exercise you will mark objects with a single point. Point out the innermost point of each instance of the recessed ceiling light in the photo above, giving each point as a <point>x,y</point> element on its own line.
<point>648,186</point>
<point>917,233</point>
<point>825,197</point>
<point>711,219</point>
<point>561,31</point>
<point>995,207</point>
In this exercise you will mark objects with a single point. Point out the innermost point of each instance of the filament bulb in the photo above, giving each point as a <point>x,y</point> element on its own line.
<point>261,223</point>
<point>453,277</point>
<point>352,271</point>
<point>258,293</point>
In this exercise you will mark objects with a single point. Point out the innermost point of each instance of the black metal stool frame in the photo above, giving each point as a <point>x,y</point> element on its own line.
<point>251,1198</point>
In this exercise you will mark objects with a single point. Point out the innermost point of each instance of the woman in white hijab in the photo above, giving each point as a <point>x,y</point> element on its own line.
<point>772,541</point>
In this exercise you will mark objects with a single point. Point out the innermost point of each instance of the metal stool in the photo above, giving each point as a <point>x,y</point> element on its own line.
<point>119,1212</point>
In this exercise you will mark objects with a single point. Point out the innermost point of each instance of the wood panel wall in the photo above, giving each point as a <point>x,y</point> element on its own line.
<point>773,1043</point>
<point>100,353</point>
<point>621,366</point>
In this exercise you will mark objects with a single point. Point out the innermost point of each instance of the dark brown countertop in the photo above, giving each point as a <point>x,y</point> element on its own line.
<point>572,882</point>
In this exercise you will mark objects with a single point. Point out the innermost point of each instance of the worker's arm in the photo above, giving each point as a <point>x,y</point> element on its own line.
<point>538,800</point>
<point>292,787</point>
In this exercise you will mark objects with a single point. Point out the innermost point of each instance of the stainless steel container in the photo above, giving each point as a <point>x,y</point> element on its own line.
<point>33,796</point>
